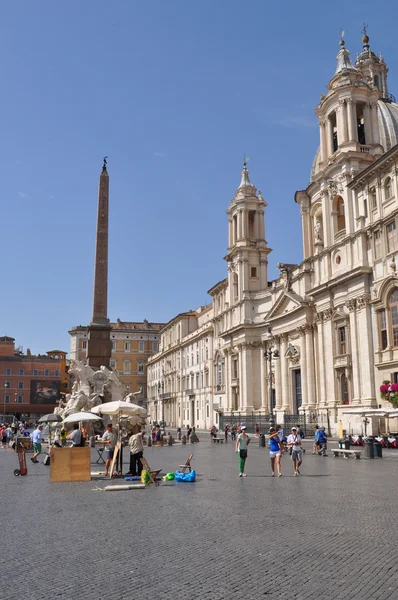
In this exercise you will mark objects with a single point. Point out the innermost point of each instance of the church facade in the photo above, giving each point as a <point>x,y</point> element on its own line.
<point>323,337</point>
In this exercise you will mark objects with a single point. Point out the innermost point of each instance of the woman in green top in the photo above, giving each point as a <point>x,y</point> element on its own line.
<point>242,442</point>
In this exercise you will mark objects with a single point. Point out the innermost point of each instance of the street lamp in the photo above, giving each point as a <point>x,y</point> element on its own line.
<point>270,354</point>
<point>7,387</point>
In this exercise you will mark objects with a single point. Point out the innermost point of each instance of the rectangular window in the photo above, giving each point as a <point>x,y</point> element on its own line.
<point>342,340</point>
<point>127,346</point>
<point>21,372</point>
<point>141,347</point>
<point>155,347</point>
<point>207,411</point>
<point>207,378</point>
<point>377,244</point>
<point>365,207</point>
<point>20,398</point>
<point>140,367</point>
<point>20,385</point>
<point>373,198</point>
<point>391,237</point>
<point>113,345</point>
<point>8,385</point>
<point>253,272</point>
<point>383,329</point>
<point>56,372</point>
<point>8,371</point>
<point>46,372</point>
<point>84,344</point>
<point>35,372</point>
<point>112,364</point>
<point>7,398</point>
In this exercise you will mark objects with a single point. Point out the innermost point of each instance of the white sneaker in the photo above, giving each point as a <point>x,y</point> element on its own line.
<point>240,474</point>
<point>244,475</point>
<point>295,474</point>
<point>280,475</point>
<point>272,474</point>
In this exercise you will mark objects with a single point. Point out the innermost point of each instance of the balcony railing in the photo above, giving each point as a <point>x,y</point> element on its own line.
<point>190,392</point>
<point>165,396</point>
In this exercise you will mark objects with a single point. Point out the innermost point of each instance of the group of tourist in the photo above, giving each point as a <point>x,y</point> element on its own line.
<point>278,445</point>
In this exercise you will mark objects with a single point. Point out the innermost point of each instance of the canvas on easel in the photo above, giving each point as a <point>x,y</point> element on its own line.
<point>116,451</point>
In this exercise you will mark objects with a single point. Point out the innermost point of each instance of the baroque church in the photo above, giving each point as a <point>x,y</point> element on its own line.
<point>323,337</point>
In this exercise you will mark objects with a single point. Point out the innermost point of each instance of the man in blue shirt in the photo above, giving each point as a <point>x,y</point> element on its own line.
<point>36,438</point>
<point>322,441</point>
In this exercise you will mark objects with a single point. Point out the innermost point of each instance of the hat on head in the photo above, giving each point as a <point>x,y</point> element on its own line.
<point>294,428</point>
<point>243,426</point>
<point>271,429</point>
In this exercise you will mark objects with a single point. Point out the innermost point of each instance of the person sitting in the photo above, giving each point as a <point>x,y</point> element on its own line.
<point>75,436</point>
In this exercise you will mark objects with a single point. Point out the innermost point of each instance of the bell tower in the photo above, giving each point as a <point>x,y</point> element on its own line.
<point>347,115</point>
<point>247,249</point>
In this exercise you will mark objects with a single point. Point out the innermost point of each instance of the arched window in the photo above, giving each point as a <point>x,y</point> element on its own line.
<point>376,81</point>
<point>340,214</point>
<point>344,389</point>
<point>387,189</point>
<point>394,317</point>
<point>235,286</point>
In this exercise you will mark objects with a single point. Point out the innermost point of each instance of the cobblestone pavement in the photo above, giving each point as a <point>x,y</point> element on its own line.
<point>329,534</point>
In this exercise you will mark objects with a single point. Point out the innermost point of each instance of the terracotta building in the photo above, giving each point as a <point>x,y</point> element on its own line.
<point>132,344</point>
<point>30,385</point>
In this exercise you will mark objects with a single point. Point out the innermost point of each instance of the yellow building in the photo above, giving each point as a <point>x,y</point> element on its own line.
<point>132,344</point>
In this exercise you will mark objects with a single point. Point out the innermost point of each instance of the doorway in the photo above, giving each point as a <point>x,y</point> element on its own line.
<point>192,423</point>
<point>297,389</point>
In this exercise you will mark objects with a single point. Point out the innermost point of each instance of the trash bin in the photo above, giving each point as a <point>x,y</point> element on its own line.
<point>261,440</point>
<point>368,450</point>
<point>377,450</point>
<point>346,444</point>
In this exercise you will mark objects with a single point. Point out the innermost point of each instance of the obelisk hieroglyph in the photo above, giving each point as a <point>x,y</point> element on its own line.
<point>99,346</point>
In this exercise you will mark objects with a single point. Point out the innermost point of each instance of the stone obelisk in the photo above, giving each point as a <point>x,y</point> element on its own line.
<point>99,345</point>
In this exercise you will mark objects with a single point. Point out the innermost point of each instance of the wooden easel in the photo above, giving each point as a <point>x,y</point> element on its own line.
<point>116,451</point>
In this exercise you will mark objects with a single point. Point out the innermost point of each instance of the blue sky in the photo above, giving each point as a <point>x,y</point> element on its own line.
<point>174,92</point>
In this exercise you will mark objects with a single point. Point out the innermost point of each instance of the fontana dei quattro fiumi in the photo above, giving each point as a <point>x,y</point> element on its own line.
<point>323,337</point>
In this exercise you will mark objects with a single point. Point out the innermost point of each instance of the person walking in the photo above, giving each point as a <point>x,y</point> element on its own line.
<point>294,443</point>
<point>322,442</point>
<point>36,438</point>
<point>136,453</point>
<point>233,433</point>
<point>315,446</point>
<point>226,430</point>
<point>275,451</point>
<point>241,445</point>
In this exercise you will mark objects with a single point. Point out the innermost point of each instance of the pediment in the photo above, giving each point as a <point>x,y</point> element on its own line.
<point>287,302</point>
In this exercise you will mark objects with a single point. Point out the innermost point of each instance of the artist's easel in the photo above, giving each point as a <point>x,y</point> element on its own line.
<point>116,451</point>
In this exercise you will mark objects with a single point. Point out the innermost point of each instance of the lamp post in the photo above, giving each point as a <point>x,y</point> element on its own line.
<point>270,354</point>
<point>7,387</point>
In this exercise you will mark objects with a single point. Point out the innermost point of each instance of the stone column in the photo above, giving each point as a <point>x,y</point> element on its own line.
<point>344,118</point>
<point>323,144</point>
<point>230,233</point>
<point>321,362</point>
<point>326,220</point>
<point>240,225</point>
<point>278,379</point>
<point>263,380</point>
<point>303,365</point>
<point>329,136</point>
<point>375,124</point>
<point>366,350</point>
<point>354,339</point>
<point>285,374</point>
<point>368,125</point>
<point>309,348</point>
<point>352,121</point>
<point>340,124</point>
<point>227,378</point>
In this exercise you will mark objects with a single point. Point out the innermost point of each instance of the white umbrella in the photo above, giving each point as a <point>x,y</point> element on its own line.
<point>120,408</point>
<point>81,416</point>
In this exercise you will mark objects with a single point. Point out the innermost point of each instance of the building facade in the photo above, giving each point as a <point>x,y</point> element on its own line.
<point>132,344</point>
<point>329,325</point>
<point>30,385</point>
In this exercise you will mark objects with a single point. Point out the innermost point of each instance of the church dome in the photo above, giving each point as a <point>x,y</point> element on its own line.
<point>388,127</point>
